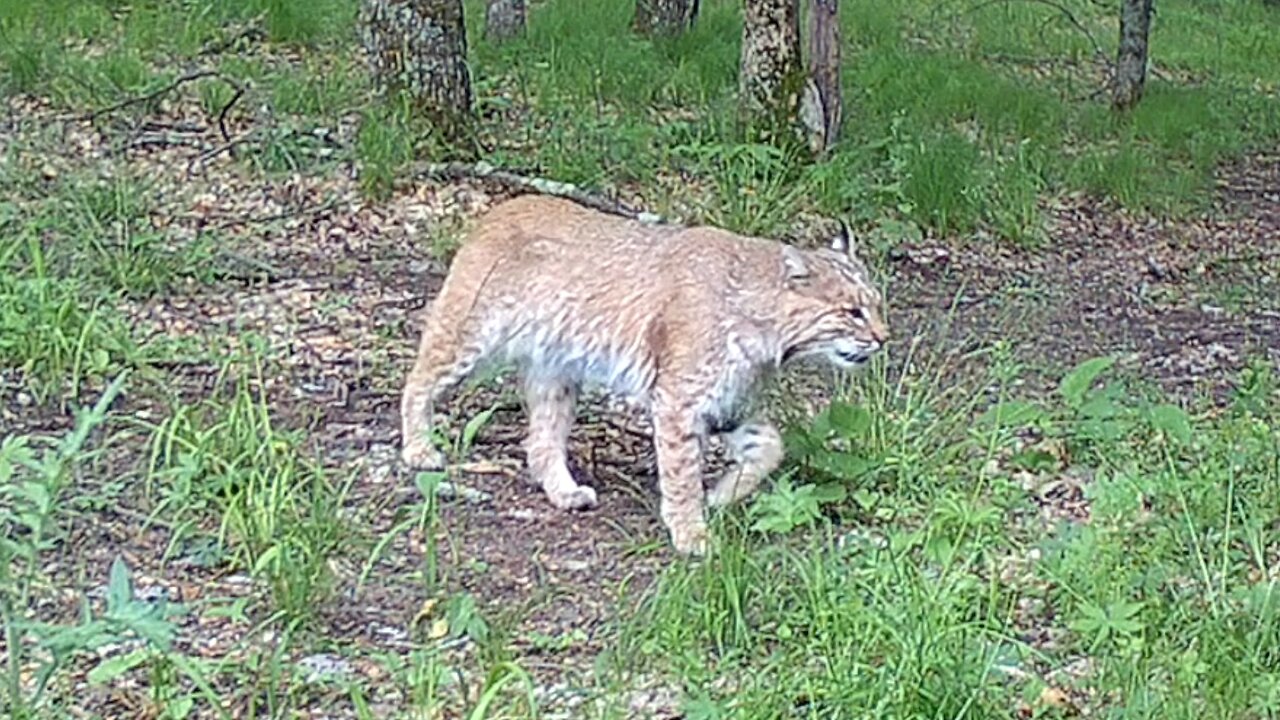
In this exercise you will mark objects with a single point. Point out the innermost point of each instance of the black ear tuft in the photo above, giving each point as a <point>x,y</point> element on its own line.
<point>842,242</point>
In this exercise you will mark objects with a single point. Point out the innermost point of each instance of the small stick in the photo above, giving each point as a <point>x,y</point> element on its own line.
<point>1066,13</point>
<point>182,80</point>
<point>222,114</point>
<point>485,171</point>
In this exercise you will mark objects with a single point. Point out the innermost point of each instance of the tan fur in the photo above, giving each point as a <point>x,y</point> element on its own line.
<point>685,320</point>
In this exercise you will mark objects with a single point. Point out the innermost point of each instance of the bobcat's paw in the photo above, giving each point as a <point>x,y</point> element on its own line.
<point>579,497</point>
<point>691,540</point>
<point>421,456</point>
<point>729,490</point>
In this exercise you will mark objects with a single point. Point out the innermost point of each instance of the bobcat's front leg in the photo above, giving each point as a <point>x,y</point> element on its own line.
<point>678,435</point>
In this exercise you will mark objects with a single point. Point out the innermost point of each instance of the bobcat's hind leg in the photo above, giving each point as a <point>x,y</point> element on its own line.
<point>550,404</point>
<point>445,358</point>
<point>757,450</point>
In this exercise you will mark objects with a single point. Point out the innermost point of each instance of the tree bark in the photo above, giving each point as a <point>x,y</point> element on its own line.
<point>1131,58</point>
<point>504,19</point>
<point>821,106</point>
<point>664,17</point>
<point>419,47</point>
<point>770,79</point>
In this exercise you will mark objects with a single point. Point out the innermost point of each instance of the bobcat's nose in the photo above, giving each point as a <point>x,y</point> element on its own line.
<point>879,334</point>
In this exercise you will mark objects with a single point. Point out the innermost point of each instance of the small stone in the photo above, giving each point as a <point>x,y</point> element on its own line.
<point>451,491</point>
<point>324,666</point>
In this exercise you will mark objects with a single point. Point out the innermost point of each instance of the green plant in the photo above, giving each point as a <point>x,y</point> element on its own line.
<point>1115,621</point>
<point>294,21</point>
<point>942,182</point>
<point>278,513</point>
<point>49,331</point>
<point>786,507</point>
<point>383,146</point>
<point>32,483</point>
<point>54,341</point>
<point>758,186</point>
<point>498,678</point>
<point>28,63</point>
<point>109,226</point>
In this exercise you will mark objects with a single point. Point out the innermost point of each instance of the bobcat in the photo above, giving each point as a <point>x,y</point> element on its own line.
<point>684,320</point>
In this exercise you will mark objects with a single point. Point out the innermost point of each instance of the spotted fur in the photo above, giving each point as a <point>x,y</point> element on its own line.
<point>686,321</point>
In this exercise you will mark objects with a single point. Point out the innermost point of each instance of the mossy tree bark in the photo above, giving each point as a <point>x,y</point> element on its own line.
<point>664,17</point>
<point>419,47</point>
<point>1131,58</point>
<point>504,19</point>
<point>822,106</point>
<point>770,77</point>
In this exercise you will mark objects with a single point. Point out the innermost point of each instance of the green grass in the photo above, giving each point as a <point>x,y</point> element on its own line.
<point>947,126</point>
<point>918,598</point>
<point>55,334</point>
<point>957,141</point>
<point>278,511</point>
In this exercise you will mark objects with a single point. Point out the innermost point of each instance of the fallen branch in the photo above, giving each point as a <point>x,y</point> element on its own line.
<point>222,114</point>
<point>485,171</point>
<point>252,32</point>
<point>155,94</point>
<point>158,141</point>
<point>178,127</point>
<point>226,147</point>
<point>1066,13</point>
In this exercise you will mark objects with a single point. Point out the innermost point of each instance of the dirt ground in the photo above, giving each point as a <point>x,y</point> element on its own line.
<point>336,285</point>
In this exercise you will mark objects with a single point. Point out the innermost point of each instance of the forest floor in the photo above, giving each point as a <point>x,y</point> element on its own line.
<point>332,288</point>
<point>248,470</point>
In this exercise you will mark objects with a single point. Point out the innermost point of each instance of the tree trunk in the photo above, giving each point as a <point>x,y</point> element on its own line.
<point>1131,59</point>
<point>419,47</point>
<point>504,19</point>
<point>770,79</point>
<point>821,106</point>
<point>664,17</point>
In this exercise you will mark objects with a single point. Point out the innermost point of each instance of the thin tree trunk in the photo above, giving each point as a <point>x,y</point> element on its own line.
<point>770,79</point>
<point>504,19</point>
<point>420,47</point>
<point>1131,59</point>
<point>665,17</point>
<point>821,107</point>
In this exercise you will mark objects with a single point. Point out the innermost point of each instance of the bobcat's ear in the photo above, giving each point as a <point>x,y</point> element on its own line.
<point>794,262</point>
<point>842,242</point>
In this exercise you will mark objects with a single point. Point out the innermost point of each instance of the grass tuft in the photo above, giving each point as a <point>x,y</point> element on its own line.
<point>277,512</point>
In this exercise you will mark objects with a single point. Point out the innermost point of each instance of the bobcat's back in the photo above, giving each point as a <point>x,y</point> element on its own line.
<point>568,291</point>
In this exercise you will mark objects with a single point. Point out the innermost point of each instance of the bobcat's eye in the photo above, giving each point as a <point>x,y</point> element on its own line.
<point>858,314</point>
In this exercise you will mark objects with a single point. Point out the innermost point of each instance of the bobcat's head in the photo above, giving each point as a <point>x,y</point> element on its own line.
<point>831,307</point>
